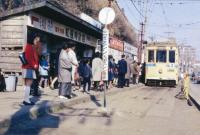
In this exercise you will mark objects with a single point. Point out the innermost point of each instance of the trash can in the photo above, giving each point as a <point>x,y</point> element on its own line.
<point>11,83</point>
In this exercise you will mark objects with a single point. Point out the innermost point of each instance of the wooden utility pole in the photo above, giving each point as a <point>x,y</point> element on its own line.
<point>110,2</point>
<point>140,48</point>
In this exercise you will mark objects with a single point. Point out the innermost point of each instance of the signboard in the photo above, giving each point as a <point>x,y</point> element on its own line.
<point>107,15</point>
<point>90,20</point>
<point>46,24</point>
<point>116,44</point>
<point>116,54</point>
<point>105,53</point>
<point>53,27</point>
<point>129,49</point>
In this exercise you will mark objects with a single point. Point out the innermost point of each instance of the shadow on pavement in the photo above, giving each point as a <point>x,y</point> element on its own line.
<point>93,98</point>
<point>28,125</point>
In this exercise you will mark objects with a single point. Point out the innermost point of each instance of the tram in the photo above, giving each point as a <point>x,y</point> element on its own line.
<point>162,66</point>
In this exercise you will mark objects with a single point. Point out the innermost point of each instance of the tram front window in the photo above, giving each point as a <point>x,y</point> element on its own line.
<point>161,56</point>
<point>172,56</point>
<point>151,56</point>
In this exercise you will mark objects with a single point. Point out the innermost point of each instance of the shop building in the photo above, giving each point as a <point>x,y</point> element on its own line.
<point>55,26</point>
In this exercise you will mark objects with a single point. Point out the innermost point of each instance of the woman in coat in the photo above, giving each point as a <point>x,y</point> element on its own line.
<point>28,70</point>
<point>67,59</point>
<point>128,74</point>
<point>97,68</point>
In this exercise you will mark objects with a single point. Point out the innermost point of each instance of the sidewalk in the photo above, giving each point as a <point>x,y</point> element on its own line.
<point>12,108</point>
<point>195,93</point>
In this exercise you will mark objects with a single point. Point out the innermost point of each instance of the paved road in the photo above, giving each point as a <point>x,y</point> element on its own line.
<point>143,111</point>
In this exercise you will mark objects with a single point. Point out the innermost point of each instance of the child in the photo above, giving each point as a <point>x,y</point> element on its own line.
<point>2,82</point>
<point>43,69</point>
<point>87,75</point>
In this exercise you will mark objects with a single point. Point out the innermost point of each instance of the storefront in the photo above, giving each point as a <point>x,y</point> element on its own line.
<point>55,26</point>
<point>116,48</point>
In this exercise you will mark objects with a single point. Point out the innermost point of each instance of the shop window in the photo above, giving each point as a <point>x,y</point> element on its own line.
<point>161,56</point>
<point>83,38</point>
<point>172,56</point>
<point>151,56</point>
<point>75,35</point>
<point>88,38</point>
<point>79,36</point>
<point>67,32</point>
<point>71,34</point>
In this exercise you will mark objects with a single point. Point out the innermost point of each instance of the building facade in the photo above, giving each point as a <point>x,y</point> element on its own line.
<point>55,26</point>
<point>187,58</point>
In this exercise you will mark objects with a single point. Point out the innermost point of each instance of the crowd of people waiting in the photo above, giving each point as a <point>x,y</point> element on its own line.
<point>71,74</point>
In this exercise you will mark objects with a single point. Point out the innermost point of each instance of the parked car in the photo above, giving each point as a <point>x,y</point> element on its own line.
<point>197,77</point>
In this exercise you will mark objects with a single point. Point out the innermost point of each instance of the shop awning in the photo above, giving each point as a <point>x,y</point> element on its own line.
<point>50,10</point>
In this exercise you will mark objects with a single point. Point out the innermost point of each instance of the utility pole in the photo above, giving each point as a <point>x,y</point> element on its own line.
<point>110,2</point>
<point>140,48</point>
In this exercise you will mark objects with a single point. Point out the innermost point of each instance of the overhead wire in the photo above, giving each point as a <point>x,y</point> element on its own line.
<point>136,19</point>
<point>137,9</point>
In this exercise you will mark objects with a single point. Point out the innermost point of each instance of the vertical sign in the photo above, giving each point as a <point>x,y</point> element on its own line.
<point>105,53</point>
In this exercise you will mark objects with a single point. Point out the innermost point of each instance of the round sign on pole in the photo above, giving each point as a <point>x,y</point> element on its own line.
<point>107,15</point>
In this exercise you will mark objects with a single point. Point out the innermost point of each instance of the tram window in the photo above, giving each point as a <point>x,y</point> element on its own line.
<point>151,56</point>
<point>161,56</point>
<point>172,56</point>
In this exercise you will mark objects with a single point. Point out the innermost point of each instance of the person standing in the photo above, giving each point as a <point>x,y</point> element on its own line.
<point>87,74</point>
<point>2,81</point>
<point>128,74</point>
<point>97,68</point>
<point>43,70</point>
<point>193,76</point>
<point>139,72</point>
<point>135,71</point>
<point>115,72</point>
<point>29,69</point>
<point>110,72</point>
<point>67,58</point>
<point>73,59</point>
<point>35,85</point>
<point>122,70</point>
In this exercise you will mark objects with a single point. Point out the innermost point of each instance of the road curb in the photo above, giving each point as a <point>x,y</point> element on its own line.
<point>195,102</point>
<point>51,107</point>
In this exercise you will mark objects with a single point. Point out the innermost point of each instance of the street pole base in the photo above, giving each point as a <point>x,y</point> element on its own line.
<point>105,112</point>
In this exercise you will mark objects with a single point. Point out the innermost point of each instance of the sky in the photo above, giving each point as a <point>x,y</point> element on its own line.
<point>166,18</point>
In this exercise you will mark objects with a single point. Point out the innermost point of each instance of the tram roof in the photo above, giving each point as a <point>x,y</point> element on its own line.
<point>162,44</point>
<point>50,10</point>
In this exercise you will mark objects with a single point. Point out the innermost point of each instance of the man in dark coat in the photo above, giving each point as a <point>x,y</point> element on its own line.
<point>122,70</point>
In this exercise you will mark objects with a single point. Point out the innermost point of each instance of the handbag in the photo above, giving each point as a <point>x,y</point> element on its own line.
<point>22,58</point>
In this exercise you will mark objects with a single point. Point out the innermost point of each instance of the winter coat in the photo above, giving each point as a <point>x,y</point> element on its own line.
<point>43,68</point>
<point>64,68</point>
<point>74,61</point>
<point>97,68</point>
<point>32,58</point>
<point>87,72</point>
<point>122,67</point>
<point>134,69</point>
<point>128,74</point>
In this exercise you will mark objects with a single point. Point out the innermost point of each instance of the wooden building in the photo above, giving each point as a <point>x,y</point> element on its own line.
<point>54,24</point>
